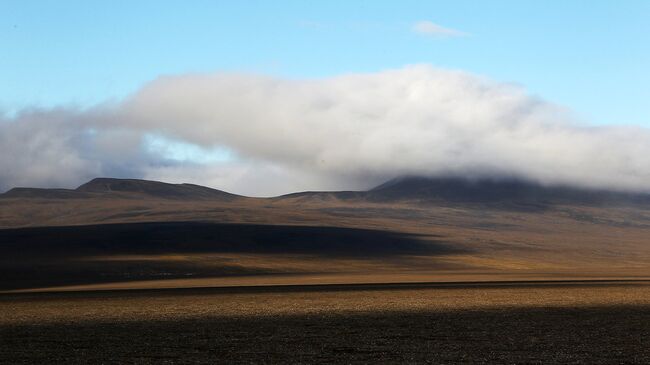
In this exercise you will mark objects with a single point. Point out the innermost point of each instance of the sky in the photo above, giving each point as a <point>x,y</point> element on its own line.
<point>83,87</point>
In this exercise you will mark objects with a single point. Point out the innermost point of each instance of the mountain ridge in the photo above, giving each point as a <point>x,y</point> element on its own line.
<point>407,188</point>
<point>512,190</point>
<point>103,186</point>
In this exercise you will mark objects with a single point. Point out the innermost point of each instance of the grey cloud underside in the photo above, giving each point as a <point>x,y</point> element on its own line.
<point>350,131</point>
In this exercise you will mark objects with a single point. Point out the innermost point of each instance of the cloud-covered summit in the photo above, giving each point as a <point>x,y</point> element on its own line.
<point>349,131</point>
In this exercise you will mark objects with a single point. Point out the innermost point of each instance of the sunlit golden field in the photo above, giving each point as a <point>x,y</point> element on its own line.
<point>559,323</point>
<point>305,300</point>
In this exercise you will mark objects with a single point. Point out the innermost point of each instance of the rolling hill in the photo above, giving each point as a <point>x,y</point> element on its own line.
<point>102,187</point>
<point>408,229</point>
<point>423,190</point>
<point>496,192</point>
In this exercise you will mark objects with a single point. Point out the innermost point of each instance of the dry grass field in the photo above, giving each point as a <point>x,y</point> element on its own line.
<point>568,323</point>
<point>294,240</point>
<point>321,279</point>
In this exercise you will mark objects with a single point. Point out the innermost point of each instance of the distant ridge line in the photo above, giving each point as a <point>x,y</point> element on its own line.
<point>517,193</point>
<point>103,186</point>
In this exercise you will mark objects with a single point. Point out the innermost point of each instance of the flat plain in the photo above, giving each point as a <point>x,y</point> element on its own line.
<point>570,322</point>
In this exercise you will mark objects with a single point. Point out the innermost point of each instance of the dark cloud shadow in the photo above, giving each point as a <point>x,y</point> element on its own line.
<point>45,256</point>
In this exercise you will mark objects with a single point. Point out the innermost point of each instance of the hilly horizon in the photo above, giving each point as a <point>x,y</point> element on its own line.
<point>412,188</point>
<point>103,185</point>
<point>459,227</point>
<point>134,231</point>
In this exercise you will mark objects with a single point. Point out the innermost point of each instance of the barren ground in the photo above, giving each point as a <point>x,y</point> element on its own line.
<point>580,323</point>
<point>304,281</point>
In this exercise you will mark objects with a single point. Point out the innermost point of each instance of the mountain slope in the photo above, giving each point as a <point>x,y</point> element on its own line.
<point>154,189</point>
<point>132,188</point>
<point>505,191</point>
<point>466,227</point>
<point>27,193</point>
<point>512,193</point>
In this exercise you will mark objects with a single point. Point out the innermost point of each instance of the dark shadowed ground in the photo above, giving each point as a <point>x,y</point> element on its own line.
<point>55,256</point>
<point>614,335</point>
<point>181,237</point>
<point>491,324</point>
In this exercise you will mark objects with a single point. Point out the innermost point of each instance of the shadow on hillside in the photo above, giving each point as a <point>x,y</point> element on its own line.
<point>45,256</point>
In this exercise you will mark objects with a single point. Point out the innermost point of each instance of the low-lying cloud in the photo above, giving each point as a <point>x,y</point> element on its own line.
<point>349,131</point>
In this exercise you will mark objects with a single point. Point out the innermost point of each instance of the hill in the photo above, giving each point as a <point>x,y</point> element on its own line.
<point>504,191</point>
<point>107,187</point>
<point>406,229</point>
<point>510,193</point>
<point>27,193</point>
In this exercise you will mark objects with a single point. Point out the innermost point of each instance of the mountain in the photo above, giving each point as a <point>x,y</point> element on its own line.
<point>513,191</point>
<point>106,187</point>
<point>43,193</point>
<point>154,189</point>
<point>123,229</point>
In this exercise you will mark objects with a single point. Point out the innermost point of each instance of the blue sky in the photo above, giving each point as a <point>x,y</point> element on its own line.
<point>591,56</point>
<point>271,97</point>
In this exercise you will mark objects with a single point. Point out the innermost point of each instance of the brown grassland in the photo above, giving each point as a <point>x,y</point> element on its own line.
<point>574,323</point>
<point>321,280</point>
<point>465,241</point>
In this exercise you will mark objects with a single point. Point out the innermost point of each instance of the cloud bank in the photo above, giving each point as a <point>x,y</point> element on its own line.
<point>345,132</point>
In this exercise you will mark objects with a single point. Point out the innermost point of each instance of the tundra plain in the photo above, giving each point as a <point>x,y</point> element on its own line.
<point>132,273</point>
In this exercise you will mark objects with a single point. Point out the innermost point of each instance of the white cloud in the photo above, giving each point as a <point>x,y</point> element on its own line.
<point>350,131</point>
<point>431,29</point>
<point>43,149</point>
